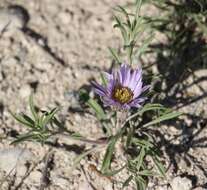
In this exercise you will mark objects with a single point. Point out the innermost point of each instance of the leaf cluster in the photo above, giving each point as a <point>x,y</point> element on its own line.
<point>40,125</point>
<point>138,148</point>
<point>132,26</point>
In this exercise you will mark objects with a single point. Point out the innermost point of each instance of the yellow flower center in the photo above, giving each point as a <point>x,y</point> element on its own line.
<point>122,94</point>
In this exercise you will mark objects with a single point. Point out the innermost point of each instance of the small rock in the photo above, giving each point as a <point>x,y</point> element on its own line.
<point>35,177</point>
<point>84,185</point>
<point>61,182</point>
<point>21,171</point>
<point>108,187</point>
<point>179,183</point>
<point>11,62</point>
<point>77,118</point>
<point>72,97</point>
<point>64,17</point>
<point>12,158</point>
<point>25,91</point>
<point>13,17</point>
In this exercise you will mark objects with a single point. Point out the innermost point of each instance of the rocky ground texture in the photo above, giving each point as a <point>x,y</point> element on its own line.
<point>52,48</point>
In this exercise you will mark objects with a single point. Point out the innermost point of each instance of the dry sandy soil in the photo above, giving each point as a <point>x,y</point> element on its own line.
<point>55,51</point>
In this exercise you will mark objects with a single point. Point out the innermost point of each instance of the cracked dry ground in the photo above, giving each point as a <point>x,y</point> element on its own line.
<point>62,47</point>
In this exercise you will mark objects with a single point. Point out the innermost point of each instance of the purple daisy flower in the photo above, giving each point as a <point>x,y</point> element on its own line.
<point>123,88</point>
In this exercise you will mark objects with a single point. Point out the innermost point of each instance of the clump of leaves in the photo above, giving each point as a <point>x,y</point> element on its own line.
<point>40,125</point>
<point>138,146</point>
<point>132,27</point>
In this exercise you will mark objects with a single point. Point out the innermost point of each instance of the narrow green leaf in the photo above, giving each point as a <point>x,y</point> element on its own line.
<point>40,121</point>
<point>142,143</point>
<point>97,108</point>
<point>118,21</point>
<point>109,152</point>
<point>28,119</point>
<point>138,7</point>
<point>165,117</point>
<point>138,25</point>
<point>114,172</point>
<point>122,29</point>
<point>145,45</point>
<point>159,166</point>
<point>146,173</point>
<point>140,158</point>
<point>76,135</point>
<point>140,29</point>
<point>149,107</point>
<point>127,181</point>
<point>22,120</point>
<point>58,123</point>
<point>121,10</point>
<point>141,183</point>
<point>129,136</point>
<point>108,155</point>
<point>134,23</point>
<point>22,138</point>
<point>50,116</point>
<point>115,55</point>
<point>146,108</point>
<point>126,14</point>
<point>32,108</point>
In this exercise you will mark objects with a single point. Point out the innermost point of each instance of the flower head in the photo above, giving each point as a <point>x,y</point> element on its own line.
<point>123,88</point>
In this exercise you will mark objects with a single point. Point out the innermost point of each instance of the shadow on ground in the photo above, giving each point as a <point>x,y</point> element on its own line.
<point>183,55</point>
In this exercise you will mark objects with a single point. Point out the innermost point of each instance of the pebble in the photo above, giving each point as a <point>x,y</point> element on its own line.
<point>179,183</point>
<point>35,177</point>
<point>64,18</point>
<point>59,181</point>
<point>84,185</point>
<point>78,118</point>
<point>108,187</point>
<point>25,91</point>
